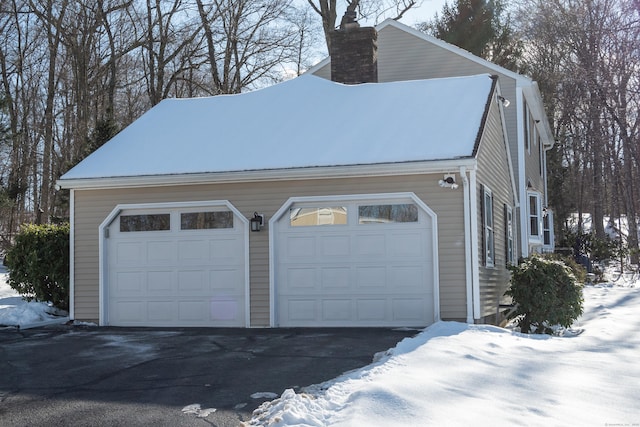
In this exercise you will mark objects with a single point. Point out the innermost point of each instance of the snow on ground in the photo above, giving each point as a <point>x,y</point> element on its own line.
<point>457,374</point>
<point>14,311</point>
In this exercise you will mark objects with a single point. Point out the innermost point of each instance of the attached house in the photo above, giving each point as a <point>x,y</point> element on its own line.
<point>307,203</point>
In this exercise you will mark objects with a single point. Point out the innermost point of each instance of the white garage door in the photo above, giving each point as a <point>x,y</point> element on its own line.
<point>355,263</point>
<point>176,267</point>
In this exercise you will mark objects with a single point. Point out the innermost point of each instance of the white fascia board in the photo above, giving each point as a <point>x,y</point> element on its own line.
<point>534,100</point>
<point>354,171</point>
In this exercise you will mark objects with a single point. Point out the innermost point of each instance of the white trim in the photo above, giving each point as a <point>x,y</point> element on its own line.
<point>522,180</point>
<point>537,239</point>
<point>72,259</point>
<point>323,172</point>
<point>475,262</point>
<point>468,252</point>
<point>273,226</point>
<point>103,252</point>
<point>490,261</point>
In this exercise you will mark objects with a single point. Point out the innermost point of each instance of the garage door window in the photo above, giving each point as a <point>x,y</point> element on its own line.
<point>384,214</point>
<point>206,220</point>
<point>146,222</point>
<point>313,216</point>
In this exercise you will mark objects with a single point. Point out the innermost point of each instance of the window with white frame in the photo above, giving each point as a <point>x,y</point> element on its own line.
<point>547,230</point>
<point>488,231</point>
<point>535,215</point>
<point>510,247</point>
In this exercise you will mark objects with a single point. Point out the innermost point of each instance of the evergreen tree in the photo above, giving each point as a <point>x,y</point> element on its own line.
<point>479,26</point>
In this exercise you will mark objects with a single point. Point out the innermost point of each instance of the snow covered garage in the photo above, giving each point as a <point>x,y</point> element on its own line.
<point>370,196</point>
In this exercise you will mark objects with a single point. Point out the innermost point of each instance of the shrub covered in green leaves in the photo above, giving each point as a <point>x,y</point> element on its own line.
<point>546,293</point>
<point>38,264</point>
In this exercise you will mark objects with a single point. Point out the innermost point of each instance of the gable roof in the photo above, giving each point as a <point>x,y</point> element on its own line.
<point>521,79</point>
<point>301,123</point>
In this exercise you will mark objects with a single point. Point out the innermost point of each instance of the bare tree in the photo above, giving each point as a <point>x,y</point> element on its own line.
<point>328,11</point>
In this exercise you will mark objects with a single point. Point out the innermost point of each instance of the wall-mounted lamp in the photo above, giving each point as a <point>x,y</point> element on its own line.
<point>257,222</point>
<point>448,181</point>
<point>505,101</point>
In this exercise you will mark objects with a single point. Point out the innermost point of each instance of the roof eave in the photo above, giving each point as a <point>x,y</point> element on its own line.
<point>321,172</point>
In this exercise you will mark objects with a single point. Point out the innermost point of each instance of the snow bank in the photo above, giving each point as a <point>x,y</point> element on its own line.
<point>458,374</point>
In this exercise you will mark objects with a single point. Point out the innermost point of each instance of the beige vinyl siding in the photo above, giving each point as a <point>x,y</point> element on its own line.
<point>493,173</point>
<point>93,206</point>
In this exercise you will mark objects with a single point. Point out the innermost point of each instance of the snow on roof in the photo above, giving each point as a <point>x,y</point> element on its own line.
<point>304,122</point>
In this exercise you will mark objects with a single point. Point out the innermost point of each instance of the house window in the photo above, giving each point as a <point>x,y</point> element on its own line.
<point>547,230</point>
<point>146,222</point>
<point>384,214</point>
<point>206,220</point>
<point>488,232</point>
<point>535,215</point>
<point>313,216</point>
<point>508,235</point>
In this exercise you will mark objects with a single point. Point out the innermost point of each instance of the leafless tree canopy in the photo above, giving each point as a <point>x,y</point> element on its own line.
<point>586,56</point>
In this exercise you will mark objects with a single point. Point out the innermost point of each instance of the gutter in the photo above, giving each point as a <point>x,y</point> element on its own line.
<point>468,253</point>
<point>323,172</point>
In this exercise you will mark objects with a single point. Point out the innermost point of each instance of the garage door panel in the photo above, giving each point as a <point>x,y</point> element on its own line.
<point>335,246</point>
<point>334,278</point>
<point>409,309</point>
<point>176,277</point>
<point>336,310</point>
<point>129,282</point>
<point>161,252</point>
<point>193,251</point>
<point>408,277</point>
<point>192,281</point>
<point>300,278</point>
<point>161,311</point>
<point>223,250</point>
<point>370,245</point>
<point>130,253</point>
<point>375,273</point>
<point>300,247</point>
<point>193,311</point>
<point>370,277</point>
<point>299,310</point>
<point>160,282</point>
<point>226,279</point>
<point>371,310</point>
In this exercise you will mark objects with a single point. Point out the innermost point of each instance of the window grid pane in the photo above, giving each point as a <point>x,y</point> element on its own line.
<point>206,220</point>
<point>384,214</point>
<point>316,216</point>
<point>145,222</point>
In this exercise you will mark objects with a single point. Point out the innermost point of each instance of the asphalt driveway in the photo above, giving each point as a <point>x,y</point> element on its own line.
<point>89,376</point>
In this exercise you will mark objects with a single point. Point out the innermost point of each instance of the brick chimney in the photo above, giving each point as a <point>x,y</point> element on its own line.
<point>354,52</point>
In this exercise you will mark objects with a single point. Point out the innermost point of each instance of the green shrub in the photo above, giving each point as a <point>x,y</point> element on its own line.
<point>579,271</point>
<point>545,293</point>
<point>38,264</point>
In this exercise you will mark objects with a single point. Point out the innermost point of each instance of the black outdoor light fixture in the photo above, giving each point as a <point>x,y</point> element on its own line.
<point>257,221</point>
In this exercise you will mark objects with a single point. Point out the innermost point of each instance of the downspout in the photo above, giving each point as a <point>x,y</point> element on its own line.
<point>72,275</point>
<point>475,267</point>
<point>466,196</point>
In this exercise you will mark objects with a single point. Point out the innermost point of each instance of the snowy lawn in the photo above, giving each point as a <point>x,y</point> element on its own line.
<point>14,311</point>
<point>454,374</point>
